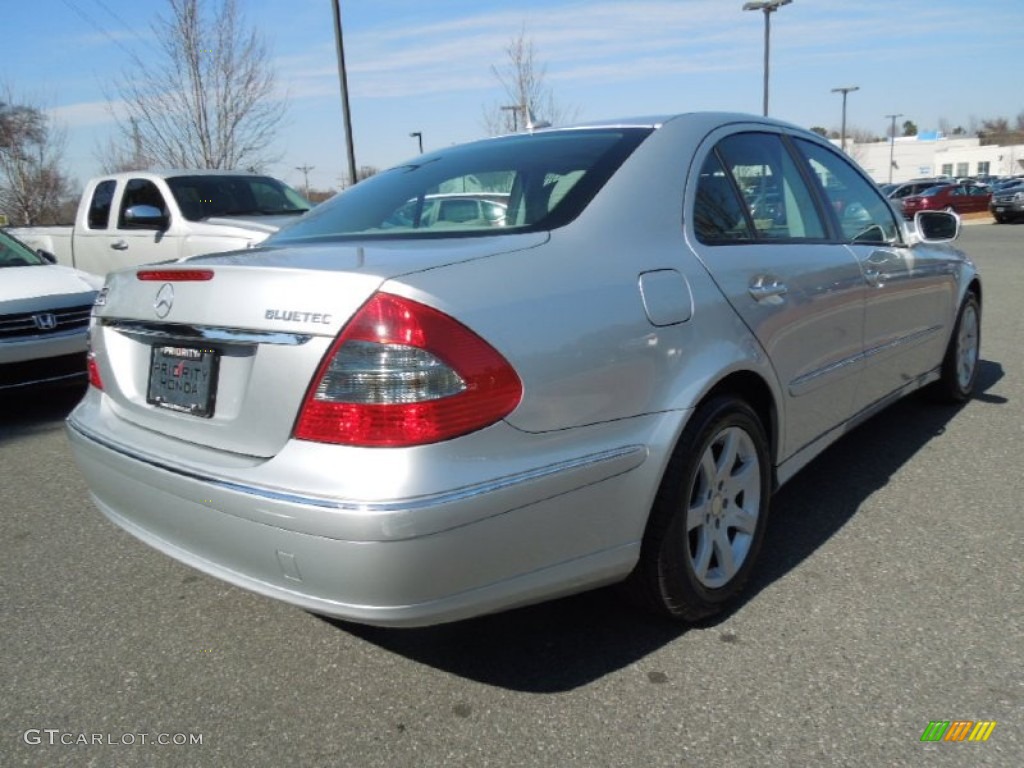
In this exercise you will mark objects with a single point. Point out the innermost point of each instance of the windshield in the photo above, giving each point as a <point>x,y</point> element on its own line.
<point>203,196</point>
<point>518,183</point>
<point>14,253</point>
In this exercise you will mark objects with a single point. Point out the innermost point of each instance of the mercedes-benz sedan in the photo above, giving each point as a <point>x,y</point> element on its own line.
<point>412,423</point>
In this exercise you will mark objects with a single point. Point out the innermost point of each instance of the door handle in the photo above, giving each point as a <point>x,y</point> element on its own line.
<point>874,268</point>
<point>767,290</point>
<point>119,245</point>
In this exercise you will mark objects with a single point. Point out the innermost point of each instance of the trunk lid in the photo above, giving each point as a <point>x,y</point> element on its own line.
<point>225,360</point>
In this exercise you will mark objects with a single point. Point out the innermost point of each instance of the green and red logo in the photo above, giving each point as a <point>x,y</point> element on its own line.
<point>958,730</point>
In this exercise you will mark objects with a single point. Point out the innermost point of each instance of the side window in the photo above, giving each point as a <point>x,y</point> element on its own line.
<point>774,193</point>
<point>140,192</point>
<point>717,210</point>
<point>864,215</point>
<point>99,206</point>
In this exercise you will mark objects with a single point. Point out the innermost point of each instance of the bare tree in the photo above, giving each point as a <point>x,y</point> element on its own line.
<point>527,95</point>
<point>205,98</point>
<point>32,186</point>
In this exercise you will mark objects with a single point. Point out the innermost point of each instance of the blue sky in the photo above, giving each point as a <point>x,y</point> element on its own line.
<point>425,66</point>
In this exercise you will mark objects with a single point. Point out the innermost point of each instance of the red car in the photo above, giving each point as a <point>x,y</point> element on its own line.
<point>962,198</point>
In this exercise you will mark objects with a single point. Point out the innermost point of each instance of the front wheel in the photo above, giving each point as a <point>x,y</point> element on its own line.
<point>709,517</point>
<point>960,365</point>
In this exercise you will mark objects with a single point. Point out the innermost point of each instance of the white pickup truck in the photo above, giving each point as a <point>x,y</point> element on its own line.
<point>140,217</point>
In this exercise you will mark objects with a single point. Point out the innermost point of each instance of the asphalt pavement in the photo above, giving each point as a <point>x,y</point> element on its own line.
<point>890,594</point>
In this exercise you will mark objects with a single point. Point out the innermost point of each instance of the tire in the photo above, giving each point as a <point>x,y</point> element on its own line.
<point>719,479</point>
<point>960,365</point>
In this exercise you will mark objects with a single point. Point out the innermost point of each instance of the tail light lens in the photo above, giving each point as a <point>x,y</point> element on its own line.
<point>402,373</point>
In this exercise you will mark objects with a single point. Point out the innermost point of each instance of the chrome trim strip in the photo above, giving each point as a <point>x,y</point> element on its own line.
<point>903,340</point>
<point>185,332</point>
<point>372,507</point>
<point>799,385</point>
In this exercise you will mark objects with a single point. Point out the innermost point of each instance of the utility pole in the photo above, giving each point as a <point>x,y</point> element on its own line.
<point>514,109</point>
<point>305,169</point>
<point>844,91</point>
<point>768,7</point>
<point>136,144</point>
<point>892,143</point>
<point>343,78</point>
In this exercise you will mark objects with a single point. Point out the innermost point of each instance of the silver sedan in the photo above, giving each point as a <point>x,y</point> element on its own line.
<point>404,420</point>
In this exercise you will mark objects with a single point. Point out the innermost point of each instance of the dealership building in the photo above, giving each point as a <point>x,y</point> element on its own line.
<point>932,154</point>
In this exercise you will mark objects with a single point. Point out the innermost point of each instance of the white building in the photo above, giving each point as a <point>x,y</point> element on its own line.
<point>934,155</point>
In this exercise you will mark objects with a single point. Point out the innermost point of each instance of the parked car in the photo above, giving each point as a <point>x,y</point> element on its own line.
<point>1007,203</point>
<point>901,192</point>
<point>960,198</point>
<point>44,319</point>
<point>458,208</point>
<point>405,427</point>
<point>139,217</point>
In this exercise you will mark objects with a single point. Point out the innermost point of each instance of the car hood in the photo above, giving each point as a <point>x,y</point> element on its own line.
<point>18,284</point>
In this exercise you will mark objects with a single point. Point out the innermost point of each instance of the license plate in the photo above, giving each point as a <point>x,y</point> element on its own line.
<point>999,210</point>
<point>183,379</point>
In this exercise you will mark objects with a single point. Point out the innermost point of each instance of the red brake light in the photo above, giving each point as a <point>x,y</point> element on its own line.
<point>175,275</point>
<point>402,373</point>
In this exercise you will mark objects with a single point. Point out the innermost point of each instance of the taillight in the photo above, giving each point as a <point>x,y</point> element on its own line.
<point>402,373</point>
<point>94,371</point>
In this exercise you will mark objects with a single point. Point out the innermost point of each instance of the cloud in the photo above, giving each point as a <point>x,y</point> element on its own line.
<point>88,113</point>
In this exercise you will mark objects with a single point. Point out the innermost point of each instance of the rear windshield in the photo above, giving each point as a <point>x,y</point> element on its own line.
<point>519,183</point>
<point>200,197</point>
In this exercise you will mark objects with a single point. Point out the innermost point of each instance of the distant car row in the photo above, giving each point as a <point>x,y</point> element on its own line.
<point>1004,198</point>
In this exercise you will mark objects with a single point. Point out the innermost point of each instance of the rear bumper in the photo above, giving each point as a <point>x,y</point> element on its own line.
<point>508,539</point>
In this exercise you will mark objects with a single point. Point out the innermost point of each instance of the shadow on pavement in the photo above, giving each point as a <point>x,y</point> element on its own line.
<point>37,410</point>
<point>563,644</point>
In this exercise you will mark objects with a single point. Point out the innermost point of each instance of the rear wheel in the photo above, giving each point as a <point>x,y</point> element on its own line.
<point>709,517</point>
<point>960,365</point>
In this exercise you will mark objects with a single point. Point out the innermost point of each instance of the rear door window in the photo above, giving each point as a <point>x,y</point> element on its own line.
<point>776,201</point>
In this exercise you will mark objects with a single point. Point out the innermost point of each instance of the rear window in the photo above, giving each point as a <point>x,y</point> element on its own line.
<point>519,183</point>
<point>204,196</point>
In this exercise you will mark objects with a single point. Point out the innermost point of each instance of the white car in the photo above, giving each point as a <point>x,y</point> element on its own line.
<point>44,318</point>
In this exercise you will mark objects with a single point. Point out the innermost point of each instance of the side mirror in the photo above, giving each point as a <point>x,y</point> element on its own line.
<point>145,217</point>
<point>46,256</point>
<point>937,226</point>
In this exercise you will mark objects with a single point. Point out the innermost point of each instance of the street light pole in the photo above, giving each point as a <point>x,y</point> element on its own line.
<point>892,143</point>
<point>844,91</point>
<point>418,135</point>
<point>343,77</point>
<point>768,7</point>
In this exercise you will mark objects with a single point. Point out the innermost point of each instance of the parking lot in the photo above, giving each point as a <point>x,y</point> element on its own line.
<point>890,594</point>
